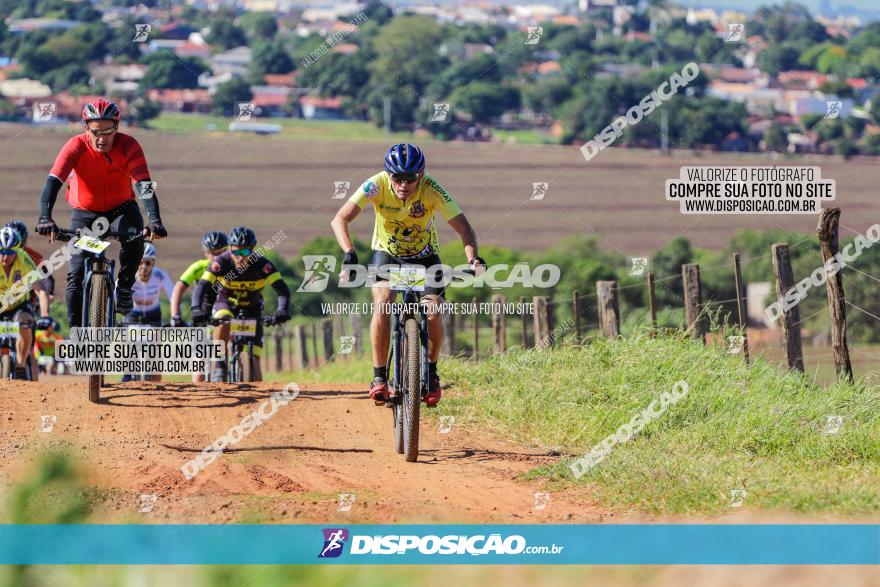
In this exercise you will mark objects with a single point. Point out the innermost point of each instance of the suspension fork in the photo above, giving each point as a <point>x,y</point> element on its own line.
<point>395,349</point>
<point>423,334</point>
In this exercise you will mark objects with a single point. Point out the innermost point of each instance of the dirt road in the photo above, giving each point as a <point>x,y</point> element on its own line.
<point>292,468</point>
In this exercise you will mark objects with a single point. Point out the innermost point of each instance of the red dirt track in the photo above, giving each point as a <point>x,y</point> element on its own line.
<point>329,440</point>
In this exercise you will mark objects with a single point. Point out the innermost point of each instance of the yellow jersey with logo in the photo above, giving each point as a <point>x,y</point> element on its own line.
<point>21,267</point>
<point>405,229</point>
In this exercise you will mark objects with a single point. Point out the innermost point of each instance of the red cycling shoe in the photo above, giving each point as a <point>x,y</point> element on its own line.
<point>379,391</point>
<point>434,394</point>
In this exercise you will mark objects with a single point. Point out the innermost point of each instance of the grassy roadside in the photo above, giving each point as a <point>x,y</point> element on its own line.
<point>757,428</point>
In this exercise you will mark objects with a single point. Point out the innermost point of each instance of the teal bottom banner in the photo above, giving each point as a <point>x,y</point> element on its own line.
<point>629,544</point>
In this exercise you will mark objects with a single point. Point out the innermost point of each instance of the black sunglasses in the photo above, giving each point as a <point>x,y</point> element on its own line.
<point>405,177</point>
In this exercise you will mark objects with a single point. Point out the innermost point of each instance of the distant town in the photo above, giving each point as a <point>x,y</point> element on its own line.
<point>779,79</point>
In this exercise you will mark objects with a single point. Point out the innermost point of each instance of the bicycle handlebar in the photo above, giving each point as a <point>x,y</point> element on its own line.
<point>66,234</point>
<point>267,321</point>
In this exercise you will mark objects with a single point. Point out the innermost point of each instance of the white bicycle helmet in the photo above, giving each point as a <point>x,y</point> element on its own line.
<point>9,238</point>
<point>149,251</point>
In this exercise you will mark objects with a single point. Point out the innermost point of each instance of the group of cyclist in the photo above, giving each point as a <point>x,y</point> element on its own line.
<point>106,172</point>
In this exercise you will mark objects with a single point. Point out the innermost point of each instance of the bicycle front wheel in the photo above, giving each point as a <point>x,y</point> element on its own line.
<point>99,291</point>
<point>412,396</point>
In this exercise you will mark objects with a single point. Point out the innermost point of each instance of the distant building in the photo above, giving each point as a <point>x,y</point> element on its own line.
<point>271,100</point>
<point>316,108</point>
<point>28,25</point>
<point>172,100</point>
<point>119,79</point>
<point>234,61</point>
<point>24,88</point>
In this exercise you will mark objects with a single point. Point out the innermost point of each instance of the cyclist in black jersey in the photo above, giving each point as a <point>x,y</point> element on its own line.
<point>235,281</point>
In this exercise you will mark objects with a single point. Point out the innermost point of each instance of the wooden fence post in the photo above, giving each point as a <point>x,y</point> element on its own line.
<point>279,350</point>
<point>828,244</point>
<point>301,347</point>
<point>741,306</point>
<point>791,318</point>
<point>357,333</point>
<point>576,312</point>
<point>290,348</point>
<point>315,342</point>
<point>652,303</point>
<point>693,301</point>
<point>525,323</point>
<point>448,320</point>
<point>327,325</point>
<point>541,321</point>
<point>476,327</point>
<point>499,326</point>
<point>609,310</point>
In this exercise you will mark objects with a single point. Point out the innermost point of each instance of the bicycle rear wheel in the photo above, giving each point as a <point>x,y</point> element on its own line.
<point>412,395</point>
<point>247,371</point>
<point>99,291</point>
<point>235,368</point>
<point>5,366</point>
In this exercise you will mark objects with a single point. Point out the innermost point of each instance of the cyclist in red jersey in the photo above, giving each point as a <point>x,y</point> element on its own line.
<point>100,165</point>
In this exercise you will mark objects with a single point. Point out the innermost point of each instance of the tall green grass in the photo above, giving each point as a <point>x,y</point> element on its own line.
<point>756,428</point>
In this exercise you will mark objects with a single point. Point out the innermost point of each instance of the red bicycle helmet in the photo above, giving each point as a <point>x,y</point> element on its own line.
<point>101,109</point>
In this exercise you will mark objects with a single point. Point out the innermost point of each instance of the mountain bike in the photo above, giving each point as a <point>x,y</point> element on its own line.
<point>9,333</point>
<point>242,331</point>
<point>408,360</point>
<point>99,303</point>
<point>139,322</point>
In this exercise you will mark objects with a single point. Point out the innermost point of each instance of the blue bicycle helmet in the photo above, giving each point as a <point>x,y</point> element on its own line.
<point>9,238</point>
<point>21,227</point>
<point>242,236</point>
<point>214,240</point>
<point>404,158</point>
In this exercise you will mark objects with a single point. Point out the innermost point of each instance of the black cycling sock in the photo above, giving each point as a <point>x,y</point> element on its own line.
<point>432,369</point>
<point>380,373</point>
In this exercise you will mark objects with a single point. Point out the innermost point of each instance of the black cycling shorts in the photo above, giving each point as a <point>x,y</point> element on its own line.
<point>383,259</point>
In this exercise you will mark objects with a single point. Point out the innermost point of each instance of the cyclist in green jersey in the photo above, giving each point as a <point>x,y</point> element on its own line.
<point>214,244</point>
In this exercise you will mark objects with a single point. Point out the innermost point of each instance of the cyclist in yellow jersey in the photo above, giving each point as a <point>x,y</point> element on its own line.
<point>405,200</point>
<point>16,266</point>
